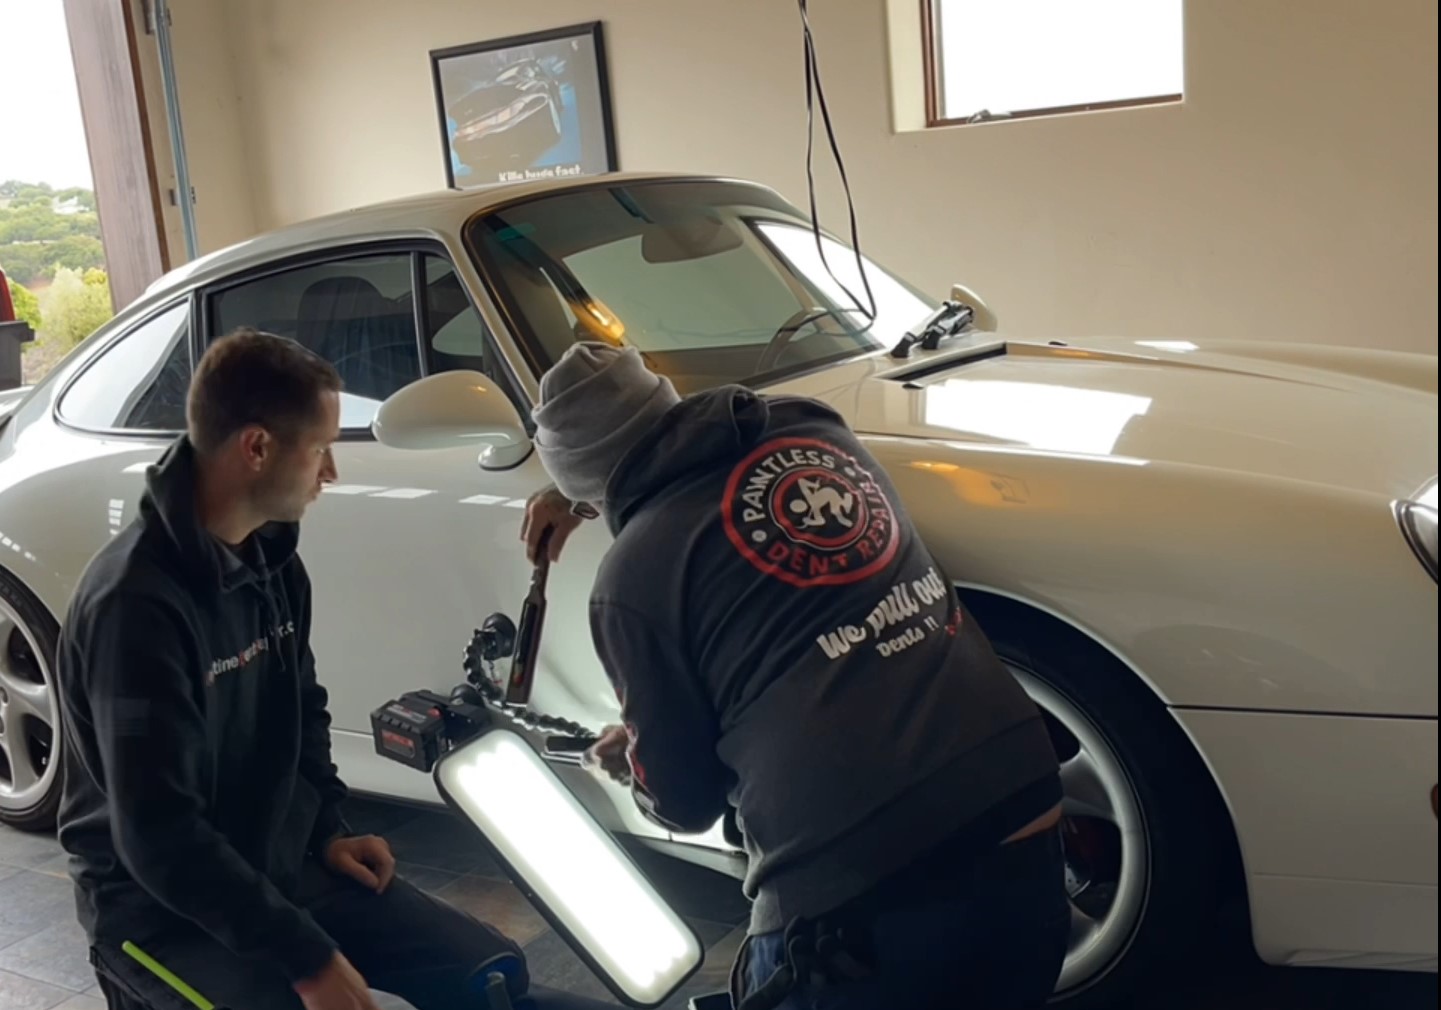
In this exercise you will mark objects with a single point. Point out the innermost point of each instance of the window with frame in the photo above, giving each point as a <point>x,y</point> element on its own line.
<point>713,282</point>
<point>456,337</point>
<point>360,314</point>
<point>138,383</point>
<point>998,59</point>
<point>357,313</point>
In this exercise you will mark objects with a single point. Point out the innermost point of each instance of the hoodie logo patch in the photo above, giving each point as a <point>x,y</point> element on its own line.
<point>809,514</point>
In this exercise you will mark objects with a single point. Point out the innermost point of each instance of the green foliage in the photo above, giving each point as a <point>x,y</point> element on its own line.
<point>38,222</point>
<point>35,238</point>
<point>84,197</point>
<point>27,261</point>
<point>14,189</point>
<point>32,196</point>
<point>34,222</point>
<point>75,306</point>
<point>27,306</point>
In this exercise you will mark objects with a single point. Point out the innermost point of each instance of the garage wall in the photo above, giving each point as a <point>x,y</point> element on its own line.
<point>1292,197</point>
<point>215,136</point>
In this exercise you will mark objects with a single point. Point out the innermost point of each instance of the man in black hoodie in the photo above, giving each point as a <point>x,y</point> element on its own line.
<point>201,808</point>
<point>782,643</point>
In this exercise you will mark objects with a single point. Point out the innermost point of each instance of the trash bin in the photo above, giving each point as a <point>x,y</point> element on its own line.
<point>14,335</point>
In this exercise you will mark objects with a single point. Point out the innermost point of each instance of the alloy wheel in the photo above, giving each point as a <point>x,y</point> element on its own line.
<point>27,715</point>
<point>1107,851</point>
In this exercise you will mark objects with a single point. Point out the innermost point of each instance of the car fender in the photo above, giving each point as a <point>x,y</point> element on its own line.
<point>62,496</point>
<point>1219,589</point>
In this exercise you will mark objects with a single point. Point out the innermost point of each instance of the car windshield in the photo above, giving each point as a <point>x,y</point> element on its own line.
<point>714,282</point>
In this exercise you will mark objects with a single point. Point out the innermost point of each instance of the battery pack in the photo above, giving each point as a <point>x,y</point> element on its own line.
<point>411,729</point>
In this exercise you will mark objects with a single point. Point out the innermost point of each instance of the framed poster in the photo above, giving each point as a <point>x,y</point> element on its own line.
<point>526,107</point>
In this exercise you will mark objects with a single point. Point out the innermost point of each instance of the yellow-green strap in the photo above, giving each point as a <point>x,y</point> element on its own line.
<point>167,976</point>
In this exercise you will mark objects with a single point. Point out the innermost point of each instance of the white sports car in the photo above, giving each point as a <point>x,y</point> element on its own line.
<point>1213,564</point>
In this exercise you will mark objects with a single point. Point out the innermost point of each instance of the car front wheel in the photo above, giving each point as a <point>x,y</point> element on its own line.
<point>1141,818</point>
<point>29,711</point>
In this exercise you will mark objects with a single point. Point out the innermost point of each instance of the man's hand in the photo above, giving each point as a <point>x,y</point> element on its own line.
<point>547,510</point>
<point>366,859</point>
<point>338,986</point>
<point>608,755</point>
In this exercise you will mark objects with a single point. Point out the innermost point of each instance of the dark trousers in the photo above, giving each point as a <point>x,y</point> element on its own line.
<point>990,934</point>
<point>404,942</point>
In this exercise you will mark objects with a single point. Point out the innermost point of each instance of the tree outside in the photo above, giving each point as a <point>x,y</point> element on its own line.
<point>27,306</point>
<point>51,252</point>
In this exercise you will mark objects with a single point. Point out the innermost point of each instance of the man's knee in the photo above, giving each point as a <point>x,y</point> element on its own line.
<point>432,922</point>
<point>418,946</point>
<point>451,932</point>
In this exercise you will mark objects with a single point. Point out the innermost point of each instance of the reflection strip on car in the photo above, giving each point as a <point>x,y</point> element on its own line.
<point>116,506</point>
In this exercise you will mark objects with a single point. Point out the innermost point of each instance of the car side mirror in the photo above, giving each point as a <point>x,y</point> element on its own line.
<point>451,410</point>
<point>983,318</point>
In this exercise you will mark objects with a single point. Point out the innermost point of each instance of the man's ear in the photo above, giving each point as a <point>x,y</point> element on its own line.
<point>256,446</point>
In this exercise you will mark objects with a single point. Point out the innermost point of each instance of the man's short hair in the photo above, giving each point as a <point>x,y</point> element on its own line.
<point>251,377</point>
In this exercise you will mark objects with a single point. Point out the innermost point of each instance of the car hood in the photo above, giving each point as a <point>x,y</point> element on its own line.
<point>1342,417</point>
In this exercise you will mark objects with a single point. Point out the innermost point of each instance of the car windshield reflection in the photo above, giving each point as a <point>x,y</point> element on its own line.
<point>714,282</point>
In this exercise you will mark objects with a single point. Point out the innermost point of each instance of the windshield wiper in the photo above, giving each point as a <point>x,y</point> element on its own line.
<point>796,322</point>
<point>952,318</point>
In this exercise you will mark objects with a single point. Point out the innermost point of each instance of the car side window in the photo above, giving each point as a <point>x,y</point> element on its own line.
<point>139,382</point>
<point>357,313</point>
<point>454,332</point>
<point>456,337</point>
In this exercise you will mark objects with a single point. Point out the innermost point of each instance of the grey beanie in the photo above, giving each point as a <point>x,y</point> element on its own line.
<point>595,403</point>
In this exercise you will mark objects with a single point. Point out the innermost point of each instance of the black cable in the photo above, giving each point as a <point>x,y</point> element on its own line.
<point>494,697</point>
<point>814,91</point>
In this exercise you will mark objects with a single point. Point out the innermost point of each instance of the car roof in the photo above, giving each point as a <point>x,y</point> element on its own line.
<point>425,214</point>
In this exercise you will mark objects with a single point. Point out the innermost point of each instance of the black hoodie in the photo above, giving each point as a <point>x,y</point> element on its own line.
<point>782,642</point>
<point>197,762</point>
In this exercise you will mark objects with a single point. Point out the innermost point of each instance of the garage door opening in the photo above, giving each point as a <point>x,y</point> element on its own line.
<point>50,242</point>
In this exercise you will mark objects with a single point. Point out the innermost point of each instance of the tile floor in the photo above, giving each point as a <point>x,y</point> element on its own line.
<point>42,950</point>
<point>43,966</point>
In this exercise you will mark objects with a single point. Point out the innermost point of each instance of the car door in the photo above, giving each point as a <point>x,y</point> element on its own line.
<point>409,551</point>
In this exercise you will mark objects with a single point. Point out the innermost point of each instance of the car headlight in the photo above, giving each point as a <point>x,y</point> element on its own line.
<point>1417,517</point>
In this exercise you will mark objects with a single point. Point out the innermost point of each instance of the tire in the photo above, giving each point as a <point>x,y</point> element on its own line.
<point>1166,891</point>
<point>28,638</point>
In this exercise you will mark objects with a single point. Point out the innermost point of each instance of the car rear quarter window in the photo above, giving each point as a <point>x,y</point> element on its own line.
<point>139,382</point>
